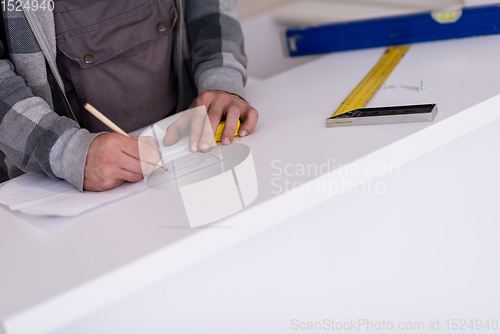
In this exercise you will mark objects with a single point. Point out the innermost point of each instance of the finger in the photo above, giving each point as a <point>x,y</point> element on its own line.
<point>148,150</point>
<point>215,113</point>
<point>197,127</point>
<point>128,176</point>
<point>176,129</point>
<point>249,118</point>
<point>130,146</point>
<point>138,151</point>
<point>173,135</point>
<point>214,102</point>
<point>146,161</point>
<point>232,118</point>
<point>128,163</point>
<point>207,137</point>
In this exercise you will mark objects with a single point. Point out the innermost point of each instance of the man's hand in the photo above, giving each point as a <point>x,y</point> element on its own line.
<point>203,122</point>
<point>221,104</point>
<point>114,159</point>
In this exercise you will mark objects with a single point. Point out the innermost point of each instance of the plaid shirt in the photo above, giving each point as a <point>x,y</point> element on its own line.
<point>38,133</point>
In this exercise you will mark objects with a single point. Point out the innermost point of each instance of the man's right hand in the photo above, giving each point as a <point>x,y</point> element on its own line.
<point>114,159</point>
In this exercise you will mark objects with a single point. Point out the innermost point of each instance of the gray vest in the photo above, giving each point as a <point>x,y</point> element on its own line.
<point>117,56</point>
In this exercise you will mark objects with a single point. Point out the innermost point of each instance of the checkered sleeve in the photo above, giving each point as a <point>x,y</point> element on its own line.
<point>216,45</point>
<point>33,137</point>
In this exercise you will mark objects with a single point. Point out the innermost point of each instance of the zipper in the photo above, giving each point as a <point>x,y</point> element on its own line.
<point>48,62</point>
<point>181,21</point>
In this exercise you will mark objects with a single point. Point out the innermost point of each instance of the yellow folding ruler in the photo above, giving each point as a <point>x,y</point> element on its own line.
<point>220,129</point>
<point>350,111</point>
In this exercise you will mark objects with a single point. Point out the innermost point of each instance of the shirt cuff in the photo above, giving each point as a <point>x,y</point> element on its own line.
<point>226,79</point>
<point>69,155</point>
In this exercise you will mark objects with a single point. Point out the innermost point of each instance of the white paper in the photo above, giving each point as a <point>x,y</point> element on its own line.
<point>188,164</point>
<point>40,196</point>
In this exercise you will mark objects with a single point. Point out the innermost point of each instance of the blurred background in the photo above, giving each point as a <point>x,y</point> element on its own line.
<point>264,23</point>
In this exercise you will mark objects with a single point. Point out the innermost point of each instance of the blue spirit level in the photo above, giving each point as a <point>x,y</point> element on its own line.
<point>424,27</point>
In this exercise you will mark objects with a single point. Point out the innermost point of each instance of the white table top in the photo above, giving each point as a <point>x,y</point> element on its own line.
<point>108,253</point>
<point>425,249</point>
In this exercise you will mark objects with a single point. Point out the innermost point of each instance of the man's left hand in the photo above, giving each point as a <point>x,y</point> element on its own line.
<point>203,122</point>
<point>219,104</point>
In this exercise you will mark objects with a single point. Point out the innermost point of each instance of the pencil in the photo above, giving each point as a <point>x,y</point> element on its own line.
<point>111,125</point>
